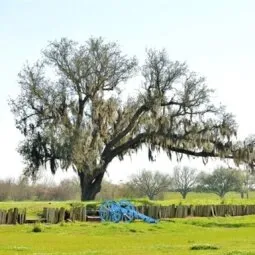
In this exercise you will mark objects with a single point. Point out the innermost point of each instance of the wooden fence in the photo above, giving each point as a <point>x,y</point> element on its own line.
<point>52,215</point>
<point>12,216</point>
<point>183,211</point>
<point>56,215</point>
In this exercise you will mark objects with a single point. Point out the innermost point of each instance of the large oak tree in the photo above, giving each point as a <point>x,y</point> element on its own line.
<point>71,113</point>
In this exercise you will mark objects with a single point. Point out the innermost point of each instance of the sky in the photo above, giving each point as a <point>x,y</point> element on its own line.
<point>216,39</point>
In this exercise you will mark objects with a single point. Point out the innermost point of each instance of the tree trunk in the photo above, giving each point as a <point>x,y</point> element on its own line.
<point>184,194</point>
<point>90,183</point>
<point>151,197</point>
<point>222,194</point>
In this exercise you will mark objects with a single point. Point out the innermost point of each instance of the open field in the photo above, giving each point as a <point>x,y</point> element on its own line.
<point>225,236</point>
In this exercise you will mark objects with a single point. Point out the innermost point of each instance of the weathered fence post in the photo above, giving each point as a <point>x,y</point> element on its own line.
<point>61,214</point>
<point>51,215</point>
<point>192,210</point>
<point>84,214</point>
<point>22,216</point>
<point>9,216</point>
<point>15,216</point>
<point>3,217</point>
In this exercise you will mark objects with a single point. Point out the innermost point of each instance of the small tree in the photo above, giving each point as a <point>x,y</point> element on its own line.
<point>221,181</point>
<point>150,184</point>
<point>248,183</point>
<point>184,179</point>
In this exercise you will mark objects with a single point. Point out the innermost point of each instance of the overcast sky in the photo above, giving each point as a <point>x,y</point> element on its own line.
<point>216,38</point>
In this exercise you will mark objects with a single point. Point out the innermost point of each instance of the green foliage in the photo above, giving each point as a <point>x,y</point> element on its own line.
<point>37,228</point>
<point>184,180</point>
<point>204,247</point>
<point>221,181</point>
<point>77,204</point>
<point>63,224</point>
<point>150,184</point>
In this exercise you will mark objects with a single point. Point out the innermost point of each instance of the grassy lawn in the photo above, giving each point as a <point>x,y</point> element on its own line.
<point>226,236</point>
<point>207,198</point>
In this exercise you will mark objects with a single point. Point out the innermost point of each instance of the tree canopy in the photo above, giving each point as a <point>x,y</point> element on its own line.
<point>71,113</point>
<point>221,181</point>
<point>150,184</point>
<point>184,179</point>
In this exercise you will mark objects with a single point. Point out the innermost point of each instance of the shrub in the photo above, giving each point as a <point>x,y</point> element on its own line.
<point>204,247</point>
<point>37,228</point>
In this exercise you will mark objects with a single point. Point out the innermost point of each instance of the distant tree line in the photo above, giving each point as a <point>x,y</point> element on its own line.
<point>145,183</point>
<point>23,189</point>
<point>185,179</point>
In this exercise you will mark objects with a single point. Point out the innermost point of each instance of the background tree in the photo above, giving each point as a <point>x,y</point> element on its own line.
<point>6,189</point>
<point>248,183</point>
<point>71,115</point>
<point>221,181</point>
<point>150,184</point>
<point>184,180</point>
<point>22,189</point>
<point>108,191</point>
<point>113,191</point>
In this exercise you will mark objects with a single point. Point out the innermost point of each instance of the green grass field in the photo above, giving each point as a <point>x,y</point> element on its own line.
<point>226,236</point>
